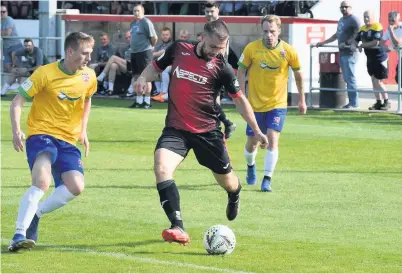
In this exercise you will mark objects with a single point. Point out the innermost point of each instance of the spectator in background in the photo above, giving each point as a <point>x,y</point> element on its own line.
<point>199,36</point>
<point>348,27</point>
<point>116,66</point>
<point>183,34</point>
<point>393,35</point>
<point>20,9</point>
<point>103,53</point>
<point>9,44</point>
<point>370,35</point>
<point>226,8</point>
<point>32,58</point>
<point>117,7</point>
<point>143,40</point>
<point>163,84</point>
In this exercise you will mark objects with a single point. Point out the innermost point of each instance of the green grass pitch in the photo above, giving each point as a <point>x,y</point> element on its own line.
<point>336,204</point>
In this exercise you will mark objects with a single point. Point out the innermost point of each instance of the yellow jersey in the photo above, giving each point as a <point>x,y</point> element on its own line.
<point>268,72</point>
<point>58,100</point>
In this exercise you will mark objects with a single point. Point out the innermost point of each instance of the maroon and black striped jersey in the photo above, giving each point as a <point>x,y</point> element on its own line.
<point>194,86</point>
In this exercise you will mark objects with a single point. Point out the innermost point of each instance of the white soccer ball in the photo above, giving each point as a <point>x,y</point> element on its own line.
<point>219,240</point>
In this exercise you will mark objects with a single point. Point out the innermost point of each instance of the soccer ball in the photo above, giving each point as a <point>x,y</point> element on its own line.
<point>219,240</point>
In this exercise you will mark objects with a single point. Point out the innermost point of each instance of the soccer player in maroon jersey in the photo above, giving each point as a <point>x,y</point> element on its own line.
<point>198,73</point>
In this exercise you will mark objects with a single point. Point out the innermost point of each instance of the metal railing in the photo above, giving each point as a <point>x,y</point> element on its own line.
<point>397,92</point>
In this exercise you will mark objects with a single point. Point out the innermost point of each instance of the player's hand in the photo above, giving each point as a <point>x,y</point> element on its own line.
<point>302,107</point>
<point>140,84</point>
<point>85,142</point>
<point>263,139</point>
<point>18,140</point>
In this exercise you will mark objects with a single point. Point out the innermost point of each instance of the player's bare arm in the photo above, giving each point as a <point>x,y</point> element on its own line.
<point>85,117</point>
<point>15,116</point>
<point>154,40</point>
<point>394,39</point>
<point>331,39</point>
<point>241,77</point>
<point>300,88</point>
<point>246,111</point>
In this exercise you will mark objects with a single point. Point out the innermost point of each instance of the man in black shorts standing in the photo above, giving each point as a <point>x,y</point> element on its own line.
<point>143,40</point>
<point>198,73</point>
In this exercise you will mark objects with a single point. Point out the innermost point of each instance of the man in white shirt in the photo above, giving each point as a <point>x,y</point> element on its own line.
<point>393,34</point>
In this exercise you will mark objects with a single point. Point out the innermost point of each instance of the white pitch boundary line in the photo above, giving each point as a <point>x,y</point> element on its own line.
<point>136,258</point>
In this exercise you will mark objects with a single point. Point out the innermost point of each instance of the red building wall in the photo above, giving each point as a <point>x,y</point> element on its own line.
<point>387,6</point>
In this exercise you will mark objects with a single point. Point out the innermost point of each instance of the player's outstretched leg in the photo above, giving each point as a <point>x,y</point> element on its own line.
<point>232,209</point>
<point>32,231</point>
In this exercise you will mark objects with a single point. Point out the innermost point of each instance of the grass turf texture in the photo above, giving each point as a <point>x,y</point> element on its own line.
<point>335,206</point>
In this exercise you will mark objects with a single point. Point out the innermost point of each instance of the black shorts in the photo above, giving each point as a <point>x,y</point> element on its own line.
<point>378,69</point>
<point>140,60</point>
<point>128,65</point>
<point>209,147</point>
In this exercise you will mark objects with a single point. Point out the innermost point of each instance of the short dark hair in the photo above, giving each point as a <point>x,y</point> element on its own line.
<point>211,4</point>
<point>200,33</point>
<point>28,40</point>
<point>218,28</point>
<point>75,39</point>
<point>166,29</point>
<point>104,34</point>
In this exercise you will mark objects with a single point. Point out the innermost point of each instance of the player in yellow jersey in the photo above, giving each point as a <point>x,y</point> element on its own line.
<point>61,101</point>
<point>267,61</point>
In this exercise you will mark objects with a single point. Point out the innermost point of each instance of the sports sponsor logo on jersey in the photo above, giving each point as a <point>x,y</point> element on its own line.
<point>27,84</point>
<point>85,77</point>
<point>191,76</point>
<point>62,95</point>
<point>263,65</point>
<point>241,59</point>
<point>283,53</point>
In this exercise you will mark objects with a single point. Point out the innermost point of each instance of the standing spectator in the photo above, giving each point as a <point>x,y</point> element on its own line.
<point>9,44</point>
<point>143,39</point>
<point>32,58</point>
<point>117,7</point>
<point>116,66</point>
<point>394,35</point>
<point>103,53</point>
<point>212,14</point>
<point>348,27</point>
<point>20,9</point>
<point>370,35</point>
<point>163,84</point>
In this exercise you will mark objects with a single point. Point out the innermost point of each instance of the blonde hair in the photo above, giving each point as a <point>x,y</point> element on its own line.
<point>270,19</point>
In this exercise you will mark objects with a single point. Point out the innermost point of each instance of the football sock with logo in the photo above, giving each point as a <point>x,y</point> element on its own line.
<point>234,196</point>
<point>250,157</point>
<point>59,197</point>
<point>170,200</point>
<point>27,209</point>
<point>270,160</point>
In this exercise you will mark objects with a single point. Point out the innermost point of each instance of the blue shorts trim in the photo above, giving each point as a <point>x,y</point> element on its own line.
<point>64,156</point>
<point>273,119</point>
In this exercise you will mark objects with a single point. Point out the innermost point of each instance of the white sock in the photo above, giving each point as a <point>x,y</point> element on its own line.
<point>59,198</point>
<point>147,99</point>
<point>270,160</point>
<point>250,157</point>
<point>101,76</point>
<point>139,99</point>
<point>165,96</point>
<point>105,85</point>
<point>5,88</point>
<point>111,86</point>
<point>130,89</point>
<point>27,209</point>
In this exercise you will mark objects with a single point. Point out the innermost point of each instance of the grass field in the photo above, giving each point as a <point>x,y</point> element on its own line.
<point>336,205</point>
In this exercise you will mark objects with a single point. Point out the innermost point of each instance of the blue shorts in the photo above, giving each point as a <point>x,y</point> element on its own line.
<point>7,53</point>
<point>273,119</point>
<point>64,156</point>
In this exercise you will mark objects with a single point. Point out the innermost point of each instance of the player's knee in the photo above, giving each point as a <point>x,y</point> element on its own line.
<point>76,188</point>
<point>161,170</point>
<point>42,180</point>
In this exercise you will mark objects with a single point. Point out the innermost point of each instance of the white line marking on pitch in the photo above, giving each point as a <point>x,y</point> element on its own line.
<point>137,258</point>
